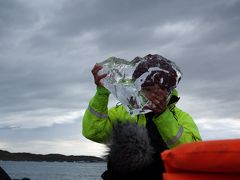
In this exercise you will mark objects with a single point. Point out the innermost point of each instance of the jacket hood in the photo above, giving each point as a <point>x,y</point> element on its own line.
<point>173,99</point>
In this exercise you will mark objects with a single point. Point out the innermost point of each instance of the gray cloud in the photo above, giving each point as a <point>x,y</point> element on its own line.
<point>14,16</point>
<point>47,50</point>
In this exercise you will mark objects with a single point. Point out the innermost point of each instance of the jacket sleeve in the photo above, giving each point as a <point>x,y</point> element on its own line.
<point>177,127</point>
<point>96,124</point>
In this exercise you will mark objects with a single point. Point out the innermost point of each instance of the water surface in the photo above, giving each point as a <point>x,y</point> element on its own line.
<point>54,170</point>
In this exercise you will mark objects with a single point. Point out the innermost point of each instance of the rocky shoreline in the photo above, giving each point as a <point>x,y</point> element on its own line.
<point>8,156</point>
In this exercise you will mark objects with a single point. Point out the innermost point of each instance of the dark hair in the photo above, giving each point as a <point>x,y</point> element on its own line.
<point>162,71</point>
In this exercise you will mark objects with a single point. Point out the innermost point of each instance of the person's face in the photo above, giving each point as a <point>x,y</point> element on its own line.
<point>155,90</point>
<point>157,98</point>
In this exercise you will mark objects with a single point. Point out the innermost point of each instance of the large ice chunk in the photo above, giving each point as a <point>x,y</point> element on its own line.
<point>125,79</point>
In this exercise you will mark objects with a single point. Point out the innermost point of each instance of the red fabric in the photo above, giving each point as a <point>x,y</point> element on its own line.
<point>203,176</point>
<point>220,156</point>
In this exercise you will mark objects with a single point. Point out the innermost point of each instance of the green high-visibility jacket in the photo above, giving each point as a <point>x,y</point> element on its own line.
<point>175,126</point>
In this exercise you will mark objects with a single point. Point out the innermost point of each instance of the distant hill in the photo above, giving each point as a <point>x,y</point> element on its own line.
<point>7,156</point>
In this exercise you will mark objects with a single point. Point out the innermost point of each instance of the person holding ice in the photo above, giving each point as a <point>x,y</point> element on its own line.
<point>166,125</point>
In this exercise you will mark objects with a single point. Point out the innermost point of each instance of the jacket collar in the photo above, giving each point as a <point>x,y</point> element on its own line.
<point>173,99</point>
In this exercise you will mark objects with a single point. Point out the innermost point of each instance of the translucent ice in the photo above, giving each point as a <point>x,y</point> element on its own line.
<point>125,79</point>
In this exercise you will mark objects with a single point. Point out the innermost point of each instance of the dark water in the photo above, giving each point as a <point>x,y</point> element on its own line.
<point>53,170</point>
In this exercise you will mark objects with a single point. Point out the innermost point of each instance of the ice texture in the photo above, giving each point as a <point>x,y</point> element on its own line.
<point>125,79</point>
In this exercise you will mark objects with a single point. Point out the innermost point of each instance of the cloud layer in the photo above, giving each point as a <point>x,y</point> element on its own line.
<point>47,50</point>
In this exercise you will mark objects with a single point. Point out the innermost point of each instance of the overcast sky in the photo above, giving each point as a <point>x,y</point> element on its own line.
<point>48,48</point>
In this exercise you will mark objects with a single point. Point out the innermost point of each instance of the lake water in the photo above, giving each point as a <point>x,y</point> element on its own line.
<point>54,170</point>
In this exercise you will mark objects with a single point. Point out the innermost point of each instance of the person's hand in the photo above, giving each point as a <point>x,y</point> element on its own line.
<point>157,99</point>
<point>97,78</point>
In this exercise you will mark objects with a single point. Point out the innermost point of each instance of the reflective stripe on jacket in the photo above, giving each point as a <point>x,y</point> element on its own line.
<point>174,125</point>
